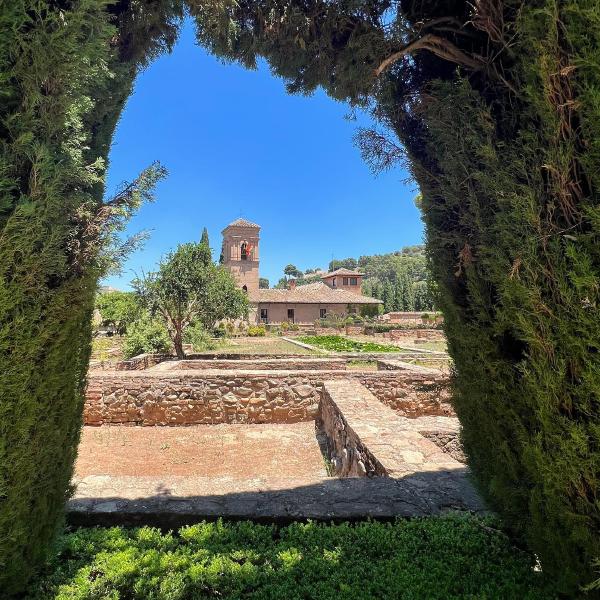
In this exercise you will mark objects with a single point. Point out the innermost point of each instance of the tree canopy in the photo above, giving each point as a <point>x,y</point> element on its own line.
<point>187,288</point>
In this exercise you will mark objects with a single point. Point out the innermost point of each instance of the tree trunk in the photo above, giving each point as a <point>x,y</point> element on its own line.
<point>178,342</point>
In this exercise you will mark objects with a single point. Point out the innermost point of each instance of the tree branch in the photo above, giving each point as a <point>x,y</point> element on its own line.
<point>438,46</point>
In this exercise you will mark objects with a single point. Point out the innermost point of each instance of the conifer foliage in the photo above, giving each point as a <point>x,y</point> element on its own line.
<point>66,69</point>
<point>496,107</point>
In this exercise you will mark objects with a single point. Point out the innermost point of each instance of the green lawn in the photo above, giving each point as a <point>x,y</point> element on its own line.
<point>338,343</point>
<point>431,558</point>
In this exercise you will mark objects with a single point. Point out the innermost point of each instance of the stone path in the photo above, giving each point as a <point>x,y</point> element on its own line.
<point>171,501</point>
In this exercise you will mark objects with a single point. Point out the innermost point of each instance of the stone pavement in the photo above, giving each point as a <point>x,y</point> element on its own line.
<point>172,501</point>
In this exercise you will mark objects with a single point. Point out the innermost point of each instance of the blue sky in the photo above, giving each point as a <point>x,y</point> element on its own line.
<point>236,144</point>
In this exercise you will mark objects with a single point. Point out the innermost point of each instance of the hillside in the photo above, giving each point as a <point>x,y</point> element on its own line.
<point>399,279</point>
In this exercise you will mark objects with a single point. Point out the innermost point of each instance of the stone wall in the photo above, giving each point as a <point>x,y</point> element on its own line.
<point>187,397</point>
<point>141,361</point>
<point>263,364</point>
<point>366,438</point>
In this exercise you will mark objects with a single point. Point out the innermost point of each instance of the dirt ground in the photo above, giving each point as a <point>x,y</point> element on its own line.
<point>237,451</point>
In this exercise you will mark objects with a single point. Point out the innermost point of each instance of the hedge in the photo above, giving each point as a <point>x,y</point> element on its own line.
<point>456,556</point>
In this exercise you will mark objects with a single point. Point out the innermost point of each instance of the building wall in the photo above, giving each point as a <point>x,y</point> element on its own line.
<point>244,271</point>
<point>303,313</point>
<point>339,284</point>
<point>191,397</point>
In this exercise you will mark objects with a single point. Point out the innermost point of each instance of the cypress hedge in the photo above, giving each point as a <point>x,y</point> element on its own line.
<point>496,104</point>
<point>66,69</point>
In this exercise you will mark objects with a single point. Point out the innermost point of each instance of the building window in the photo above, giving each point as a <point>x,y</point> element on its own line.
<point>345,281</point>
<point>353,281</point>
<point>333,282</point>
<point>245,288</point>
<point>322,313</point>
<point>291,315</point>
<point>244,251</point>
<point>351,309</point>
<point>264,315</point>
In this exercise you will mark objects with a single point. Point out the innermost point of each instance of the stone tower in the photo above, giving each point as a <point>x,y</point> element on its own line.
<point>239,253</point>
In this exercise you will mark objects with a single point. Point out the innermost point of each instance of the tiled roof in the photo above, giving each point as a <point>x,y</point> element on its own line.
<point>310,294</point>
<point>243,223</point>
<point>343,272</point>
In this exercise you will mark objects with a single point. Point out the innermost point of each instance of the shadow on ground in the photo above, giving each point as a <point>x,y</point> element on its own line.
<point>175,501</point>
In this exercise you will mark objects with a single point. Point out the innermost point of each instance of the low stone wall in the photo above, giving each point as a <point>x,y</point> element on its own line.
<point>141,362</point>
<point>310,364</point>
<point>366,438</point>
<point>188,397</point>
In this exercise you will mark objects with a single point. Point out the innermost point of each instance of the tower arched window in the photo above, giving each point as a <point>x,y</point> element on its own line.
<point>244,251</point>
<point>245,289</point>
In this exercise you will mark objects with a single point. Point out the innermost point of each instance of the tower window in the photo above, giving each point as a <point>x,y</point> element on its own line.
<point>353,281</point>
<point>245,288</point>
<point>244,251</point>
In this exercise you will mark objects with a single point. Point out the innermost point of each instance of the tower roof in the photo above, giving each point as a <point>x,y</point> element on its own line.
<point>242,223</point>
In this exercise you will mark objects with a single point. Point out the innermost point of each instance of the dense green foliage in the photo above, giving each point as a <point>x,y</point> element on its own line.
<point>436,558</point>
<point>118,309</point>
<point>66,68</point>
<point>337,343</point>
<point>400,279</point>
<point>189,288</point>
<point>496,106</point>
<point>146,335</point>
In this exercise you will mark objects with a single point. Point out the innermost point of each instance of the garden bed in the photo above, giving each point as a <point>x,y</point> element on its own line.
<point>338,343</point>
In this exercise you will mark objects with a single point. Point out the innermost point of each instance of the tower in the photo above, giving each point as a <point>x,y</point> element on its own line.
<point>240,253</point>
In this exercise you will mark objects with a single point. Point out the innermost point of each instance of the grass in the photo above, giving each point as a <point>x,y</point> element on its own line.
<point>338,343</point>
<point>107,348</point>
<point>259,345</point>
<point>449,557</point>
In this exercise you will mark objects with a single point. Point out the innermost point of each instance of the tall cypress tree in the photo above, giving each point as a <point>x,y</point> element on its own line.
<point>496,107</point>
<point>66,69</point>
<point>204,238</point>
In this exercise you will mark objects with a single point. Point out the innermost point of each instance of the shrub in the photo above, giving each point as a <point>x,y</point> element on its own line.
<point>146,335</point>
<point>284,326</point>
<point>199,338</point>
<point>435,558</point>
<point>257,331</point>
<point>220,331</point>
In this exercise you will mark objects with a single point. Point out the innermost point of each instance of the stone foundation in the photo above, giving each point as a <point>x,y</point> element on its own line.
<point>190,397</point>
<point>300,364</point>
<point>366,438</point>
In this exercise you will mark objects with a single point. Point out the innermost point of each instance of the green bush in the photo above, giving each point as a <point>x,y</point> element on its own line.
<point>146,336</point>
<point>199,338</point>
<point>220,331</point>
<point>257,331</point>
<point>452,557</point>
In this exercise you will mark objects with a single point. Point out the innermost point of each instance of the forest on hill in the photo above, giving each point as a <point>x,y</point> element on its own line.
<point>400,279</point>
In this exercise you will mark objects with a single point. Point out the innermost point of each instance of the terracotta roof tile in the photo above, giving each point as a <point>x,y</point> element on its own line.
<point>243,223</point>
<point>343,271</point>
<point>310,294</point>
